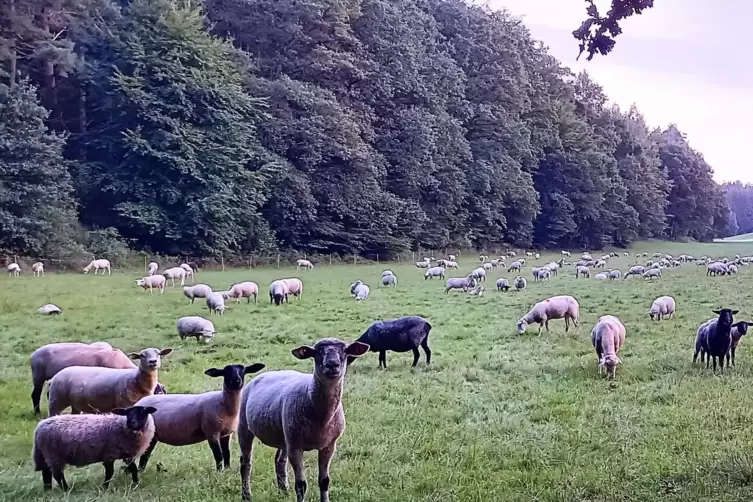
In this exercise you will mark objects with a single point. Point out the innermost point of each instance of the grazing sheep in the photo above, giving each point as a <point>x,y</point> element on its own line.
<point>442,262</point>
<point>464,283</point>
<point>89,389</point>
<point>716,268</point>
<point>216,303</point>
<point>278,292</point>
<point>197,291</point>
<point>662,306</point>
<point>536,256</point>
<point>296,412</point>
<point>565,253</point>
<point>731,269</point>
<point>529,253</point>
<point>245,289</point>
<point>607,337</point>
<point>196,326</point>
<point>398,335</point>
<point>49,309</point>
<point>503,285</point>
<point>451,264</point>
<point>354,286</point>
<point>600,264</point>
<point>37,269</point>
<point>614,275</point>
<point>739,329</point>
<point>520,283</point>
<point>185,419</point>
<point>512,254</point>
<point>361,292</point>
<point>304,264</point>
<point>452,257</point>
<point>542,274</point>
<point>636,270</point>
<point>553,268</point>
<point>423,264</point>
<point>152,268</point>
<point>516,265</point>
<point>479,274</point>
<point>557,307</point>
<point>714,337</point>
<point>488,266</point>
<point>295,286</point>
<point>652,273</point>
<point>582,270</point>
<point>387,272</point>
<point>434,272</point>
<point>14,269</point>
<point>175,273</point>
<point>522,262</point>
<point>389,280</point>
<point>97,265</point>
<point>601,276</point>
<point>89,439</point>
<point>482,258</point>
<point>152,282</point>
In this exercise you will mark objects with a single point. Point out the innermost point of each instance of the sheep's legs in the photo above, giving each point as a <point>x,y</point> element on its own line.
<point>47,477</point>
<point>427,350</point>
<point>383,359</point>
<point>214,444</point>
<point>733,357</point>
<point>246,443</point>
<point>416,356</point>
<point>109,471</point>
<point>147,454</point>
<point>36,396</point>
<point>60,479</point>
<point>325,458</point>
<point>225,446</point>
<point>281,469</point>
<point>296,460</point>
<point>131,467</point>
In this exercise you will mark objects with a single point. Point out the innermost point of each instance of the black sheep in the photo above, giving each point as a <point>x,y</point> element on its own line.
<point>739,329</point>
<point>398,335</point>
<point>719,340</point>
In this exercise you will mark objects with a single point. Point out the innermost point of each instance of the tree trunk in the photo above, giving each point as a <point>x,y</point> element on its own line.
<point>13,64</point>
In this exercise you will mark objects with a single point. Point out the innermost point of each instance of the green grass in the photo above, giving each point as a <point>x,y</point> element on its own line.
<point>738,238</point>
<point>496,416</point>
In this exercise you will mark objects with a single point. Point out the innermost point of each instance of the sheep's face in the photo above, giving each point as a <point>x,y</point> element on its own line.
<point>137,417</point>
<point>521,326</point>
<point>140,282</point>
<point>233,374</point>
<point>150,359</point>
<point>741,327</point>
<point>653,314</point>
<point>725,315</point>
<point>330,356</point>
<point>610,363</point>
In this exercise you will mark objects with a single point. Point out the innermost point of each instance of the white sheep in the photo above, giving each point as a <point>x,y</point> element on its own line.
<point>37,269</point>
<point>607,337</point>
<point>452,257</point>
<point>488,266</point>
<point>295,286</point>
<point>189,271</point>
<point>662,306</point>
<point>565,253</point>
<point>582,270</point>
<point>90,389</point>
<point>615,275</point>
<point>434,272</point>
<point>423,264</point>
<point>175,273</point>
<point>14,269</point>
<point>152,268</point>
<point>601,263</point>
<point>389,280</point>
<point>97,265</point>
<point>601,276</point>
<point>278,292</point>
<point>303,264</point>
<point>479,274</point>
<point>49,309</point>
<point>245,289</point>
<point>651,273</point>
<point>558,307</point>
<point>520,283</point>
<point>296,412</point>
<point>515,266</point>
<point>196,326</point>
<point>361,292</point>
<point>216,303</point>
<point>451,264</point>
<point>152,282</point>
<point>196,291</point>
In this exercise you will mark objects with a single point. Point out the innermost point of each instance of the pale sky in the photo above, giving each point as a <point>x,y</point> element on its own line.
<point>687,62</point>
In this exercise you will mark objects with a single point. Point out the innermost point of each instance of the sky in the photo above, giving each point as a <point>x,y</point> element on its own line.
<point>686,62</point>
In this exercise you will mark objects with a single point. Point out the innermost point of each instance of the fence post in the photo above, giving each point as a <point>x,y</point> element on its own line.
<point>330,259</point>
<point>250,262</point>
<point>278,260</point>
<point>145,263</point>
<point>354,259</point>
<point>222,260</point>
<point>377,259</point>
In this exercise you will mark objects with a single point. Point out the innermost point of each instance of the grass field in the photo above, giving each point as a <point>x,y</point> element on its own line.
<point>496,416</point>
<point>738,238</point>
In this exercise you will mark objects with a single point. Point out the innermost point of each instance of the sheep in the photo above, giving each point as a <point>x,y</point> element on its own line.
<point>477,291</point>
<point>536,256</point>
<point>464,283</point>
<point>522,262</point>
<point>387,272</point>
<point>731,269</point>
<point>354,286</point>
<point>152,268</point>
<point>189,271</point>
<point>423,264</point>
<point>49,309</point>
<point>626,254</point>
<point>512,254</point>
<point>196,326</point>
<point>488,266</point>
<point>662,306</point>
<point>48,360</point>
<point>361,292</point>
<point>196,291</point>
<point>389,280</point>
<point>97,389</point>
<point>607,337</point>
<point>716,339</point>
<point>656,255</point>
<point>553,268</point>
<point>586,256</point>
<point>452,257</point>
<point>14,269</point>
<point>216,303</point>
<point>479,274</point>
<point>520,283</point>
<point>516,265</point>
<point>245,289</point>
<point>529,253</point>
<point>175,273</point>
<point>738,330</point>
<point>278,292</point>
<point>434,272</point>
<point>556,307</point>
<point>636,270</point>
<point>304,264</point>
<point>152,282</point>
<point>651,273</point>
<point>97,265</point>
<point>88,439</point>
<point>397,335</point>
<point>582,270</point>
<point>601,276</point>
<point>186,419</point>
<point>614,275</point>
<point>442,262</point>
<point>716,268</point>
<point>295,286</point>
<point>542,274</point>
<point>601,263</point>
<point>503,284</point>
<point>37,269</point>
<point>451,264</point>
<point>565,253</point>
<point>296,412</point>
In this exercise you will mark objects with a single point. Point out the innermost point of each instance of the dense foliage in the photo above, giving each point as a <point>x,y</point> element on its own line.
<point>740,201</point>
<point>369,127</point>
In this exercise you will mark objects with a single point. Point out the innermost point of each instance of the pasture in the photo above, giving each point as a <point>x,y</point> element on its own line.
<point>497,416</point>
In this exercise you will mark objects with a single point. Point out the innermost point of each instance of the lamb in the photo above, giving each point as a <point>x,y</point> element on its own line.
<point>716,341</point>
<point>305,264</point>
<point>361,292</point>
<point>151,282</point>
<point>601,276</point>
<point>216,303</point>
<point>451,264</point>
<point>607,337</point>
<point>514,266</point>
<point>38,269</point>
<point>196,326</point>
<point>503,285</point>
<point>185,419</point>
<point>48,360</point>
<point>14,269</point>
<point>97,265</point>
<point>529,253</point>
<point>398,335</point>
<point>89,389</point>
<point>434,272</point>
<point>278,292</point>
<point>488,266</point>
<point>463,283</point>
<point>152,268</point>
<point>614,275</point>
<point>196,291</point>
<point>636,270</point>
<point>49,309</point>
<point>582,270</point>
<point>295,286</point>
<point>479,274</point>
<point>557,307</point>
<point>88,439</point>
<point>477,291</point>
<point>175,273</point>
<point>738,330</point>
<point>244,290</point>
<point>389,280</point>
<point>662,306</point>
<point>651,273</point>
<point>296,412</point>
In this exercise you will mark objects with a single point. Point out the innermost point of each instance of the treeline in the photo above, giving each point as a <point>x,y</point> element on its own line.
<point>740,201</point>
<point>338,126</point>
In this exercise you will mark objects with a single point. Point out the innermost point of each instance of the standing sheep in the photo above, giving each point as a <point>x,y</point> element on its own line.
<point>398,335</point>
<point>452,257</point>
<point>542,274</point>
<point>389,280</point>
<point>278,292</point>
<point>503,285</point>
<point>296,412</point>
<point>479,274</point>
<point>607,337</point>
<point>189,271</point>
<point>152,268</point>
<point>636,270</point>
<point>14,269</point>
<point>557,307</point>
<point>738,330</point>
<point>463,283</point>
<point>304,264</point>
<point>387,272</point>
<point>514,266</point>
<point>175,273</point>
<point>614,275</point>
<point>434,272</point>
<point>361,292</point>
<point>295,286</point>
<point>662,306</point>
<point>97,265</point>
<point>652,273</point>
<point>216,303</point>
<point>201,328</point>
<point>152,282</point>
<point>520,283</point>
<point>718,341</point>
<point>582,270</point>
<point>37,269</point>
<point>244,290</point>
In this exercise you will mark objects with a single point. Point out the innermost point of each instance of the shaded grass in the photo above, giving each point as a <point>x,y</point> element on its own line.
<point>496,416</point>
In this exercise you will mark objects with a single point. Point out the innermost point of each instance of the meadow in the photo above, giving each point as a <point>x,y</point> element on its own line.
<point>496,416</point>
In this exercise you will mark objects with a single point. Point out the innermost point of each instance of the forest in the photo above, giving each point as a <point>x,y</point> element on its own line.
<point>367,127</point>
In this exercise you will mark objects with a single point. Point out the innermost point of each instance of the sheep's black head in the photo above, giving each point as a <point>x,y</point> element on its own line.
<point>330,356</point>
<point>160,389</point>
<point>742,327</point>
<point>137,417</point>
<point>233,374</point>
<point>725,316</point>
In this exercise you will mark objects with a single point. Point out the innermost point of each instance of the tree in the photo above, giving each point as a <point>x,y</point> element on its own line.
<point>597,33</point>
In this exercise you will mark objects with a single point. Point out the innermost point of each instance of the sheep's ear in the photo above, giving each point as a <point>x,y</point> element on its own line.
<point>356,349</point>
<point>717,312</point>
<point>150,409</point>
<point>165,352</point>
<point>214,372</point>
<point>303,352</point>
<point>253,368</point>
<point>735,312</point>
<point>119,411</point>
<point>134,355</point>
